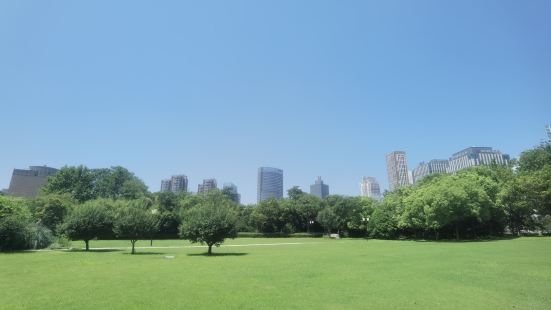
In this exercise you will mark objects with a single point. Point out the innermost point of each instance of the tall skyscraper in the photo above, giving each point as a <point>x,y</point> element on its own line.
<point>232,190</point>
<point>476,156</point>
<point>270,183</point>
<point>397,169</point>
<point>208,184</point>
<point>548,129</point>
<point>166,185</point>
<point>369,187</point>
<point>319,189</point>
<point>433,166</point>
<point>178,183</point>
<point>27,183</point>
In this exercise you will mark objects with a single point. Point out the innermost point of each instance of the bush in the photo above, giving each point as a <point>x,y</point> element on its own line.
<point>13,233</point>
<point>38,236</point>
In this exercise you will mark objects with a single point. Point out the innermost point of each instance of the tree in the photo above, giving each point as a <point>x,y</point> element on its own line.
<point>535,159</point>
<point>134,223</point>
<point>84,184</point>
<point>210,222</point>
<point>117,182</point>
<point>328,219</point>
<point>14,220</point>
<point>51,209</point>
<point>88,221</point>
<point>75,181</point>
<point>295,193</point>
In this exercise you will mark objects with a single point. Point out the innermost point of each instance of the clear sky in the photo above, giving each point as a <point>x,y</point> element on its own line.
<point>219,88</point>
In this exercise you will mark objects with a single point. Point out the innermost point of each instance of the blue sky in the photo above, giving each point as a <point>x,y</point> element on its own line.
<point>219,88</point>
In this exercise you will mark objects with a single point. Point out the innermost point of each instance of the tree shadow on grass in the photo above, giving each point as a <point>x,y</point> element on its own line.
<point>145,253</point>
<point>494,239</point>
<point>95,250</point>
<point>217,254</point>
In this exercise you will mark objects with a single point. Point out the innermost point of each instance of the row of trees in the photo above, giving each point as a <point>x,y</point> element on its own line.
<point>481,201</point>
<point>85,204</point>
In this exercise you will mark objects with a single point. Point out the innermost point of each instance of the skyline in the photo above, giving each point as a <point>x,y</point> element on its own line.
<point>314,88</point>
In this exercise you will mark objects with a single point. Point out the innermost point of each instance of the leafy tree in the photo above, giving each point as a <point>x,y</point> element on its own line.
<point>383,223</point>
<point>328,219</point>
<point>307,207</point>
<point>84,184</point>
<point>295,193</point>
<point>535,159</point>
<point>91,220</point>
<point>167,201</point>
<point>51,210</point>
<point>13,232</point>
<point>210,222</point>
<point>78,182</point>
<point>134,224</point>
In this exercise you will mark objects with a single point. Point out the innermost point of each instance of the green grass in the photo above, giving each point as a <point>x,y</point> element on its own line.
<point>318,274</point>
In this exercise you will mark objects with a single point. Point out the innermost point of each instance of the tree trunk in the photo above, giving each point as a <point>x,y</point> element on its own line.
<point>210,249</point>
<point>456,231</point>
<point>151,242</point>
<point>437,233</point>
<point>86,242</point>
<point>133,243</point>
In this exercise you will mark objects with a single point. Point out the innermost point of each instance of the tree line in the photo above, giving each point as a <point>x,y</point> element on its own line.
<point>84,204</point>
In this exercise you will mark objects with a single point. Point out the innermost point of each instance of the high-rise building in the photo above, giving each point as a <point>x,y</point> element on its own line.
<point>270,183</point>
<point>369,187</point>
<point>433,166</point>
<point>208,184</point>
<point>548,129</point>
<point>178,183</point>
<point>232,190</point>
<point>476,156</point>
<point>397,169</point>
<point>166,185</point>
<point>27,183</point>
<point>319,189</point>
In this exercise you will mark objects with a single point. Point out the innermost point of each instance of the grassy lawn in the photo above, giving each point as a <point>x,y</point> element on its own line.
<point>318,273</point>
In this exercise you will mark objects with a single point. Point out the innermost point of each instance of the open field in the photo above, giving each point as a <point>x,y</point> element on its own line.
<point>295,274</point>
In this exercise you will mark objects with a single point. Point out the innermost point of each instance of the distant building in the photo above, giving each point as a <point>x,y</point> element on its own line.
<point>270,183</point>
<point>397,170</point>
<point>208,184</point>
<point>433,166</point>
<point>232,189</point>
<point>369,187</point>
<point>548,129</point>
<point>319,189</point>
<point>166,185</point>
<point>476,156</point>
<point>176,184</point>
<point>27,183</point>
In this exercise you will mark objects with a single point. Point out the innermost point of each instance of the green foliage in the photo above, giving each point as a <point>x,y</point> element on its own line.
<point>535,159</point>
<point>328,219</point>
<point>38,236</point>
<point>91,220</point>
<point>212,221</point>
<point>75,181</point>
<point>13,232</point>
<point>51,210</point>
<point>133,223</point>
<point>15,219</point>
<point>84,184</point>
<point>117,182</point>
